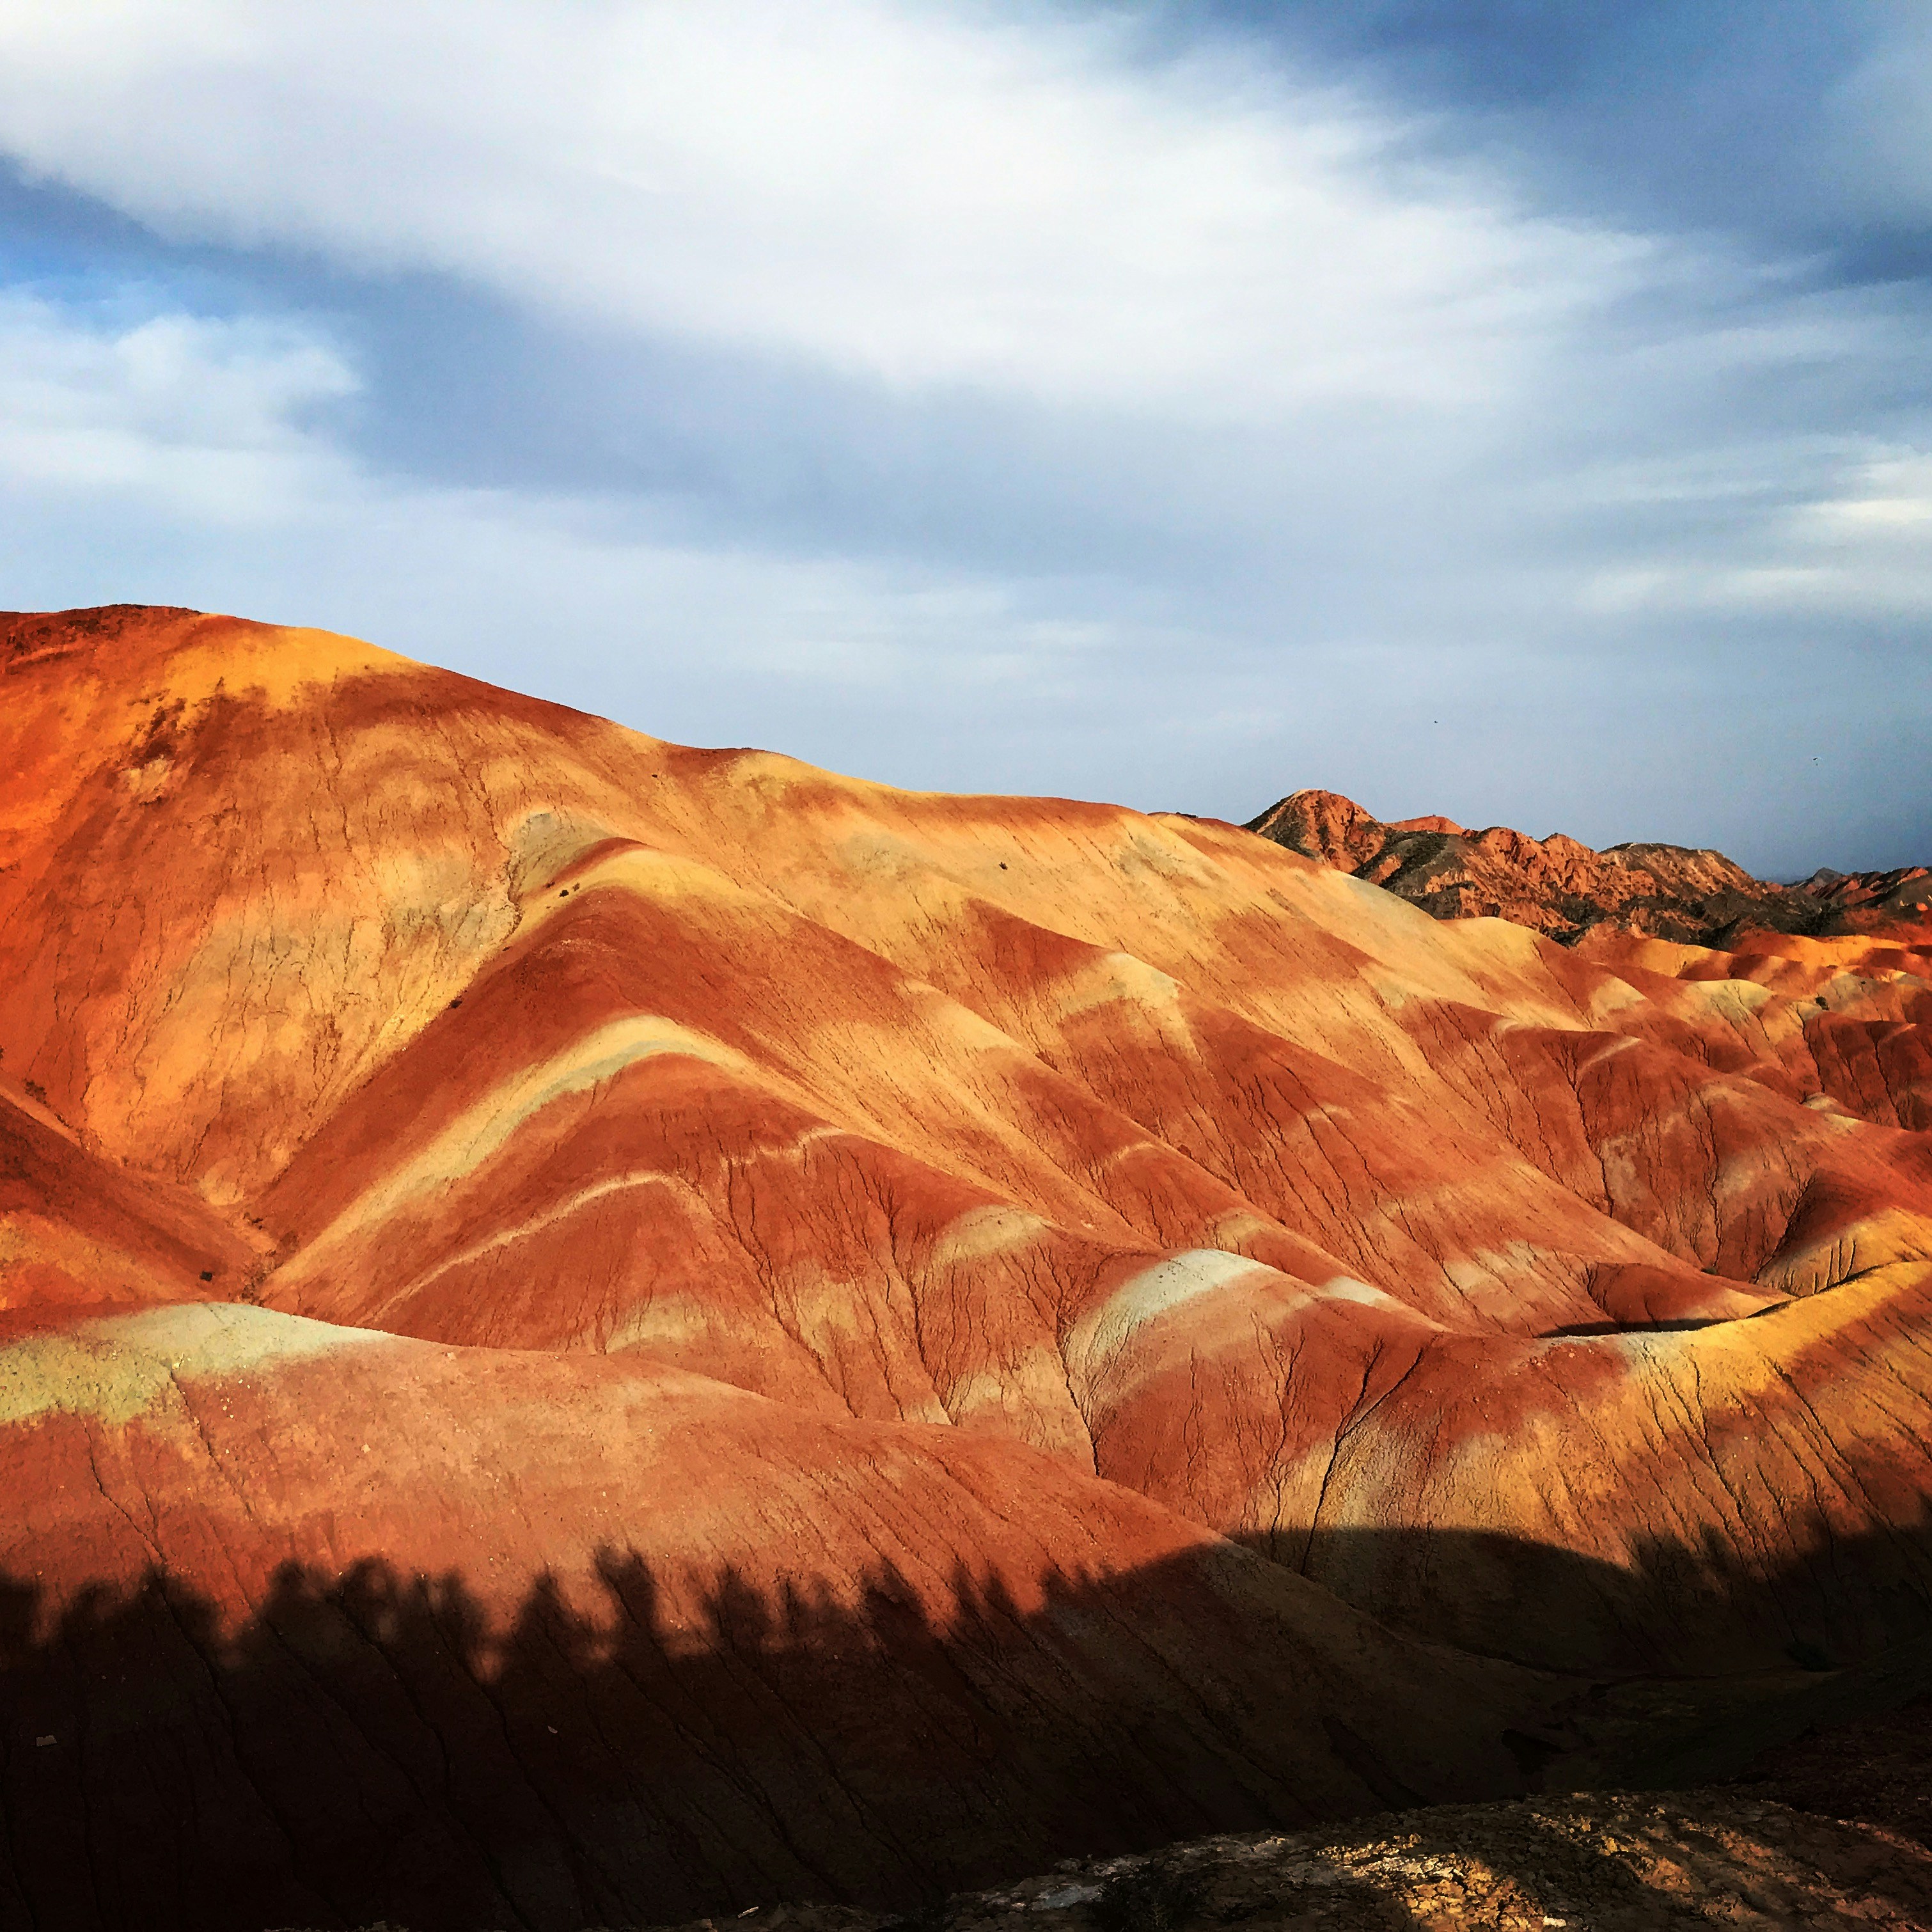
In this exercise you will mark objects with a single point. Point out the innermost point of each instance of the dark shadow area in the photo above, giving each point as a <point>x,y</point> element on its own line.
<point>368,1746</point>
<point>1871,1762</point>
<point>1580,1328</point>
<point>1674,1609</point>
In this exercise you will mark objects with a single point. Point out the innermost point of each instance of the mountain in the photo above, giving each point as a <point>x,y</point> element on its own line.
<point>1558,887</point>
<point>595,1331</point>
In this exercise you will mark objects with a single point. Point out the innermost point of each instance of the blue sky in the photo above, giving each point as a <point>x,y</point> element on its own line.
<point>1518,411</point>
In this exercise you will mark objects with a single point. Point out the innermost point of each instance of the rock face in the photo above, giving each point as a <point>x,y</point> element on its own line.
<point>594,1331</point>
<point>1557,886</point>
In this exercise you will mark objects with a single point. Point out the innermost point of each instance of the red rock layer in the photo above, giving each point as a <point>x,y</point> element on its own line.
<point>76,1230</point>
<point>909,1334</point>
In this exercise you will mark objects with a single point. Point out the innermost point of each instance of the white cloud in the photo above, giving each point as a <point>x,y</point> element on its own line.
<point>916,193</point>
<point>1843,530</point>
<point>201,416</point>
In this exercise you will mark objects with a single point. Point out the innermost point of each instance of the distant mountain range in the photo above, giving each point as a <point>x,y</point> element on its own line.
<point>1564,889</point>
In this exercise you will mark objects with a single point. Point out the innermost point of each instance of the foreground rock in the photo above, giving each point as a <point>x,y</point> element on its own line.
<point>592,1331</point>
<point>1615,1862</point>
<point>1559,887</point>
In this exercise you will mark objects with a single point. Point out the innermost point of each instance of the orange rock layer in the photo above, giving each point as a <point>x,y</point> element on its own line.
<point>590,1329</point>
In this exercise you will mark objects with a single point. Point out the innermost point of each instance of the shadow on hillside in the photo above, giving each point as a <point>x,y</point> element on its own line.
<point>1672,1610</point>
<point>367,1746</point>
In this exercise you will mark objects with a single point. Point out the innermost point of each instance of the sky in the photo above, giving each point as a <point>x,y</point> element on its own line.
<point>1516,410</point>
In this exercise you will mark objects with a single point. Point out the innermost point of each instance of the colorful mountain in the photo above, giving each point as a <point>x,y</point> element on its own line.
<point>594,1331</point>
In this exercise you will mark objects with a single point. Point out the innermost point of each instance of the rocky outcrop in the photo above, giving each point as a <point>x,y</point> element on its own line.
<point>595,1331</point>
<point>1872,902</point>
<point>1558,887</point>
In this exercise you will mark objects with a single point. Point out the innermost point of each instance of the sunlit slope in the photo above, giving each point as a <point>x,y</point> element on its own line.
<point>76,1230</point>
<point>1842,1017</point>
<point>1141,1141</point>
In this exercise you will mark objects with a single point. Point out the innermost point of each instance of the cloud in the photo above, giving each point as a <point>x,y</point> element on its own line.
<point>201,417</point>
<point>915,194</point>
<point>1859,546</point>
<point>171,404</point>
<point>1874,145</point>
